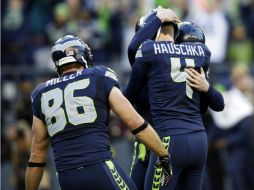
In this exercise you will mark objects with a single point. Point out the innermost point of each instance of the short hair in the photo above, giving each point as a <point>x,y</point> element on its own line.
<point>168,28</point>
<point>69,66</point>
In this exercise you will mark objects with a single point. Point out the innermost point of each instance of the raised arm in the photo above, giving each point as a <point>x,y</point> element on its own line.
<point>149,30</point>
<point>39,150</point>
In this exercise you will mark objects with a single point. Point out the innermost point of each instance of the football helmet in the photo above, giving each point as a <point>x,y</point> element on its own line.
<point>189,32</point>
<point>147,18</point>
<point>71,49</point>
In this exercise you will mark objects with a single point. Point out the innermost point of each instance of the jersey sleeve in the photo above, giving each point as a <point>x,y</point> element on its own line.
<point>110,80</point>
<point>36,102</point>
<point>213,98</point>
<point>147,32</point>
<point>137,80</point>
<point>146,51</point>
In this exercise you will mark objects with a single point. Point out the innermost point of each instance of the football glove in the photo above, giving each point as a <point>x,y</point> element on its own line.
<point>165,163</point>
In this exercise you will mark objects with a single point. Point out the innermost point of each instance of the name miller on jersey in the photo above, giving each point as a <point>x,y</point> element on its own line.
<point>183,49</point>
<point>64,78</point>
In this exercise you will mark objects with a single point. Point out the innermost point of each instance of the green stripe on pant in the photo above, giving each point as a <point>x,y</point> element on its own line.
<point>118,179</point>
<point>158,171</point>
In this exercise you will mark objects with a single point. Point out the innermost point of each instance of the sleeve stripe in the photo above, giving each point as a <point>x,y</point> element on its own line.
<point>111,75</point>
<point>139,53</point>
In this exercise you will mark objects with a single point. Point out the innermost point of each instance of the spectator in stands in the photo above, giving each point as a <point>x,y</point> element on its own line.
<point>213,20</point>
<point>24,102</point>
<point>58,27</point>
<point>6,167</point>
<point>247,15</point>
<point>236,123</point>
<point>240,46</point>
<point>14,32</point>
<point>241,78</point>
<point>79,11</point>
<point>18,136</point>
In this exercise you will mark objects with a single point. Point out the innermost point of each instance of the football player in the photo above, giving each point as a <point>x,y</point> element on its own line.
<point>198,79</point>
<point>154,20</point>
<point>72,112</point>
<point>176,104</point>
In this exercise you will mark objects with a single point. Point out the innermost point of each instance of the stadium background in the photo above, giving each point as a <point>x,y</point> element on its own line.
<point>30,27</point>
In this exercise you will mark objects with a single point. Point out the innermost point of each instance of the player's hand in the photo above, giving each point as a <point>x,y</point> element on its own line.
<point>165,163</point>
<point>197,80</point>
<point>167,15</point>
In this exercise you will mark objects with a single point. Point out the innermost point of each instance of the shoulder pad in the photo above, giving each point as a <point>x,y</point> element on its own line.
<point>37,91</point>
<point>106,71</point>
<point>146,49</point>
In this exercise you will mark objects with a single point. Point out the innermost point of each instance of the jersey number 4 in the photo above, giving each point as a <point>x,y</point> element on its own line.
<point>180,76</point>
<point>57,116</point>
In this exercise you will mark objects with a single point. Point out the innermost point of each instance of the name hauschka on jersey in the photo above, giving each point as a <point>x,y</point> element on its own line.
<point>64,78</point>
<point>179,49</point>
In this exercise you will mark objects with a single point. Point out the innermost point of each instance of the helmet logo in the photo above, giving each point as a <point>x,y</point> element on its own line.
<point>69,52</point>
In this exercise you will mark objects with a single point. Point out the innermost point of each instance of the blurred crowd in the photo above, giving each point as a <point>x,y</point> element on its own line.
<point>30,27</point>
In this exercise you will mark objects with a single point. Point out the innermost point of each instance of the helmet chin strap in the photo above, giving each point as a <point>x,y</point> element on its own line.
<point>57,71</point>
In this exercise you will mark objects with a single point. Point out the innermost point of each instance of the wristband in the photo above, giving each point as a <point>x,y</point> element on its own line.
<point>34,164</point>
<point>141,128</point>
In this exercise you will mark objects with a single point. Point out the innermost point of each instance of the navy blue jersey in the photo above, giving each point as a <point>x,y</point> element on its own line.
<point>146,32</point>
<point>174,105</point>
<point>75,109</point>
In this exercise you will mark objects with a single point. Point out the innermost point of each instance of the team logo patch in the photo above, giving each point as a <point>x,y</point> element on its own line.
<point>69,52</point>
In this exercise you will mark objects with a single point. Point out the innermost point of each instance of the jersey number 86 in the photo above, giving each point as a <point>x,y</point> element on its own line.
<point>57,116</point>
